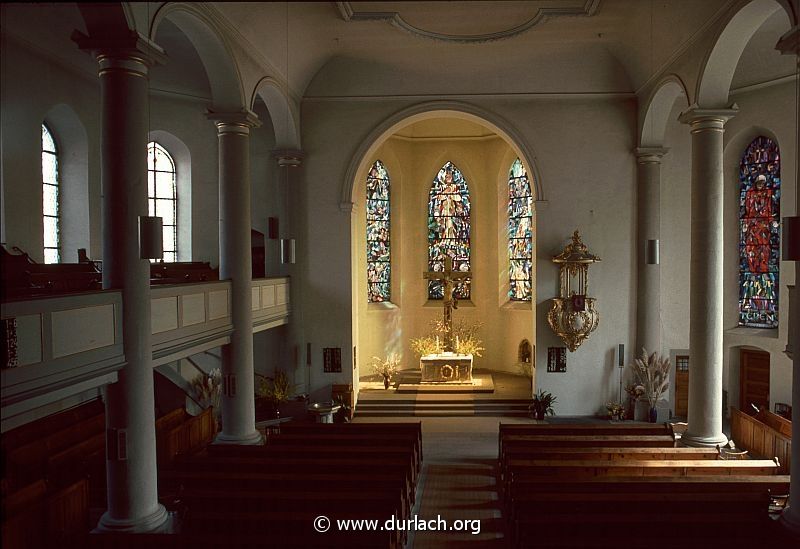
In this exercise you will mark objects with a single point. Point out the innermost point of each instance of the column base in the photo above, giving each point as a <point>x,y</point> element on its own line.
<point>252,439</point>
<point>155,523</point>
<point>791,523</point>
<point>702,441</point>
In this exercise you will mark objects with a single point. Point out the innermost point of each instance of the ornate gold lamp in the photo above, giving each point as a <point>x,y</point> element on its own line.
<point>573,316</point>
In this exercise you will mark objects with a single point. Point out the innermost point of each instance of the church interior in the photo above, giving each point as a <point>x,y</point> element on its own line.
<point>512,273</point>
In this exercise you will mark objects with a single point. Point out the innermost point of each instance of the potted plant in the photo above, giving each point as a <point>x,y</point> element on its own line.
<point>652,373</point>
<point>274,391</point>
<point>542,404</point>
<point>386,368</point>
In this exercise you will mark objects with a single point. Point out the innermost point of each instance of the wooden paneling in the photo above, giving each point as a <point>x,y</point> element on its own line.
<point>761,440</point>
<point>754,380</point>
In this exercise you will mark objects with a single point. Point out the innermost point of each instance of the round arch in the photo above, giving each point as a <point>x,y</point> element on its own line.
<point>73,157</point>
<point>426,111</point>
<point>182,157</point>
<point>224,76</point>
<point>717,69</point>
<point>284,116</point>
<point>659,106</point>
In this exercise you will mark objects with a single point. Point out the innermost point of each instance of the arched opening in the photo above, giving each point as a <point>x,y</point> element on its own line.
<point>73,167</point>
<point>415,149</point>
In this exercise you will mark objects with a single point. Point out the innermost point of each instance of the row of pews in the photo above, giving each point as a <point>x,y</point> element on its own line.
<point>22,277</point>
<point>600,485</point>
<point>54,471</point>
<point>270,495</point>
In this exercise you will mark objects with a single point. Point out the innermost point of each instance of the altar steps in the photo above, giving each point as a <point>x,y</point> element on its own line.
<point>368,407</point>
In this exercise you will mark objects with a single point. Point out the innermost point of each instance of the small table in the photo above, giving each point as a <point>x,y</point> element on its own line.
<point>323,411</point>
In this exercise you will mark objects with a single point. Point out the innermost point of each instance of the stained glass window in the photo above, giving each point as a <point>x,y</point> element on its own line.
<point>759,236</point>
<point>520,227</point>
<point>378,231</point>
<point>162,197</point>
<point>51,212</point>
<point>448,229</point>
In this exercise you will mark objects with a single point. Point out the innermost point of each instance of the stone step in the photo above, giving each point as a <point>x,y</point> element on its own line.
<point>411,408</point>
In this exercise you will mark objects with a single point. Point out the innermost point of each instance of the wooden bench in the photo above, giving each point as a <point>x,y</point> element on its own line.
<point>766,435</point>
<point>574,468</point>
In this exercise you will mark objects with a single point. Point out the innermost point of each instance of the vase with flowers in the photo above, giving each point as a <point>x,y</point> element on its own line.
<point>652,373</point>
<point>386,368</point>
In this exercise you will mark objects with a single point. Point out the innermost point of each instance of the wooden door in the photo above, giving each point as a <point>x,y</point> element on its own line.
<point>754,380</point>
<point>682,386</point>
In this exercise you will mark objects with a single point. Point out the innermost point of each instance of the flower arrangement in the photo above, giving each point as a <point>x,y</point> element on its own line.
<point>465,340</point>
<point>616,410</point>
<point>208,389</point>
<point>386,367</point>
<point>276,390</point>
<point>652,374</point>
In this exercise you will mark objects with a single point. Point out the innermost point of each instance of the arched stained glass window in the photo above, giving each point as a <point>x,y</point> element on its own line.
<point>378,231</point>
<point>448,228</point>
<point>51,210</point>
<point>759,234</point>
<point>520,227</point>
<point>162,196</point>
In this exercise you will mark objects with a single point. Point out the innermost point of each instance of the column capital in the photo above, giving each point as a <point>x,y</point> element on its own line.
<point>288,158</point>
<point>134,52</point>
<point>648,155</point>
<point>699,118</point>
<point>789,44</point>
<point>234,122</point>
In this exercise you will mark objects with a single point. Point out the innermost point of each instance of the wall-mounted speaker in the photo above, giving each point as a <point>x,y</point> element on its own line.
<point>791,238</point>
<point>621,352</point>
<point>151,237</point>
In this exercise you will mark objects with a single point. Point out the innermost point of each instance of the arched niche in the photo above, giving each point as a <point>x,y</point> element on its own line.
<point>73,157</point>
<point>219,62</point>
<point>654,123</point>
<point>720,65</point>
<point>285,119</point>
<point>182,157</point>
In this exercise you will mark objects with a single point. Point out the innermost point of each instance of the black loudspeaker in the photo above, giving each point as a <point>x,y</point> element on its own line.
<point>621,355</point>
<point>791,238</point>
<point>151,239</point>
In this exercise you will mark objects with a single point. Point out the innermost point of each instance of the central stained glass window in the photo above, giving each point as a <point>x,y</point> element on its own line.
<point>759,234</point>
<point>448,229</point>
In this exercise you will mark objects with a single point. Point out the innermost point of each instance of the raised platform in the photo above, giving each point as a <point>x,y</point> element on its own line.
<point>510,396</point>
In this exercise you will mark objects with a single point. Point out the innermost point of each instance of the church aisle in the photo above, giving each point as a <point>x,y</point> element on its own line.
<point>459,481</point>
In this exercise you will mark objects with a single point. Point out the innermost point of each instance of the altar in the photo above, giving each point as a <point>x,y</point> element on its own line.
<point>446,368</point>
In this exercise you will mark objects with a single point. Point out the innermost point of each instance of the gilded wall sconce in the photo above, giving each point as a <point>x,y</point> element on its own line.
<point>573,315</point>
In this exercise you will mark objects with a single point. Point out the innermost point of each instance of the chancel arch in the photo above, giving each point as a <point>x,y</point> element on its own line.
<point>422,156</point>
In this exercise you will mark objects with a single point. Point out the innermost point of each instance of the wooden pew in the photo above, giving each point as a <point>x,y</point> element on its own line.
<point>765,435</point>
<point>583,468</point>
<point>601,507</point>
<point>181,272</point>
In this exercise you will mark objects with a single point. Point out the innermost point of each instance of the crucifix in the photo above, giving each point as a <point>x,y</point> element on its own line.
<point>448,277</point>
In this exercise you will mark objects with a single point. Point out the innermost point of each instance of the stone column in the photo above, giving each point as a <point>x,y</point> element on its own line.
<point>705,292</point>
<point>131,471</point>
<point>648,292</point>
<point>235,264</point>
<point>789,44</point>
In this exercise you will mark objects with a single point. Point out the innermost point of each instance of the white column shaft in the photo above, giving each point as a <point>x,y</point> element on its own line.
<point>132,483</point>
<point>706,270</point>
<point>648,293</point>
<point>238,405</point>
